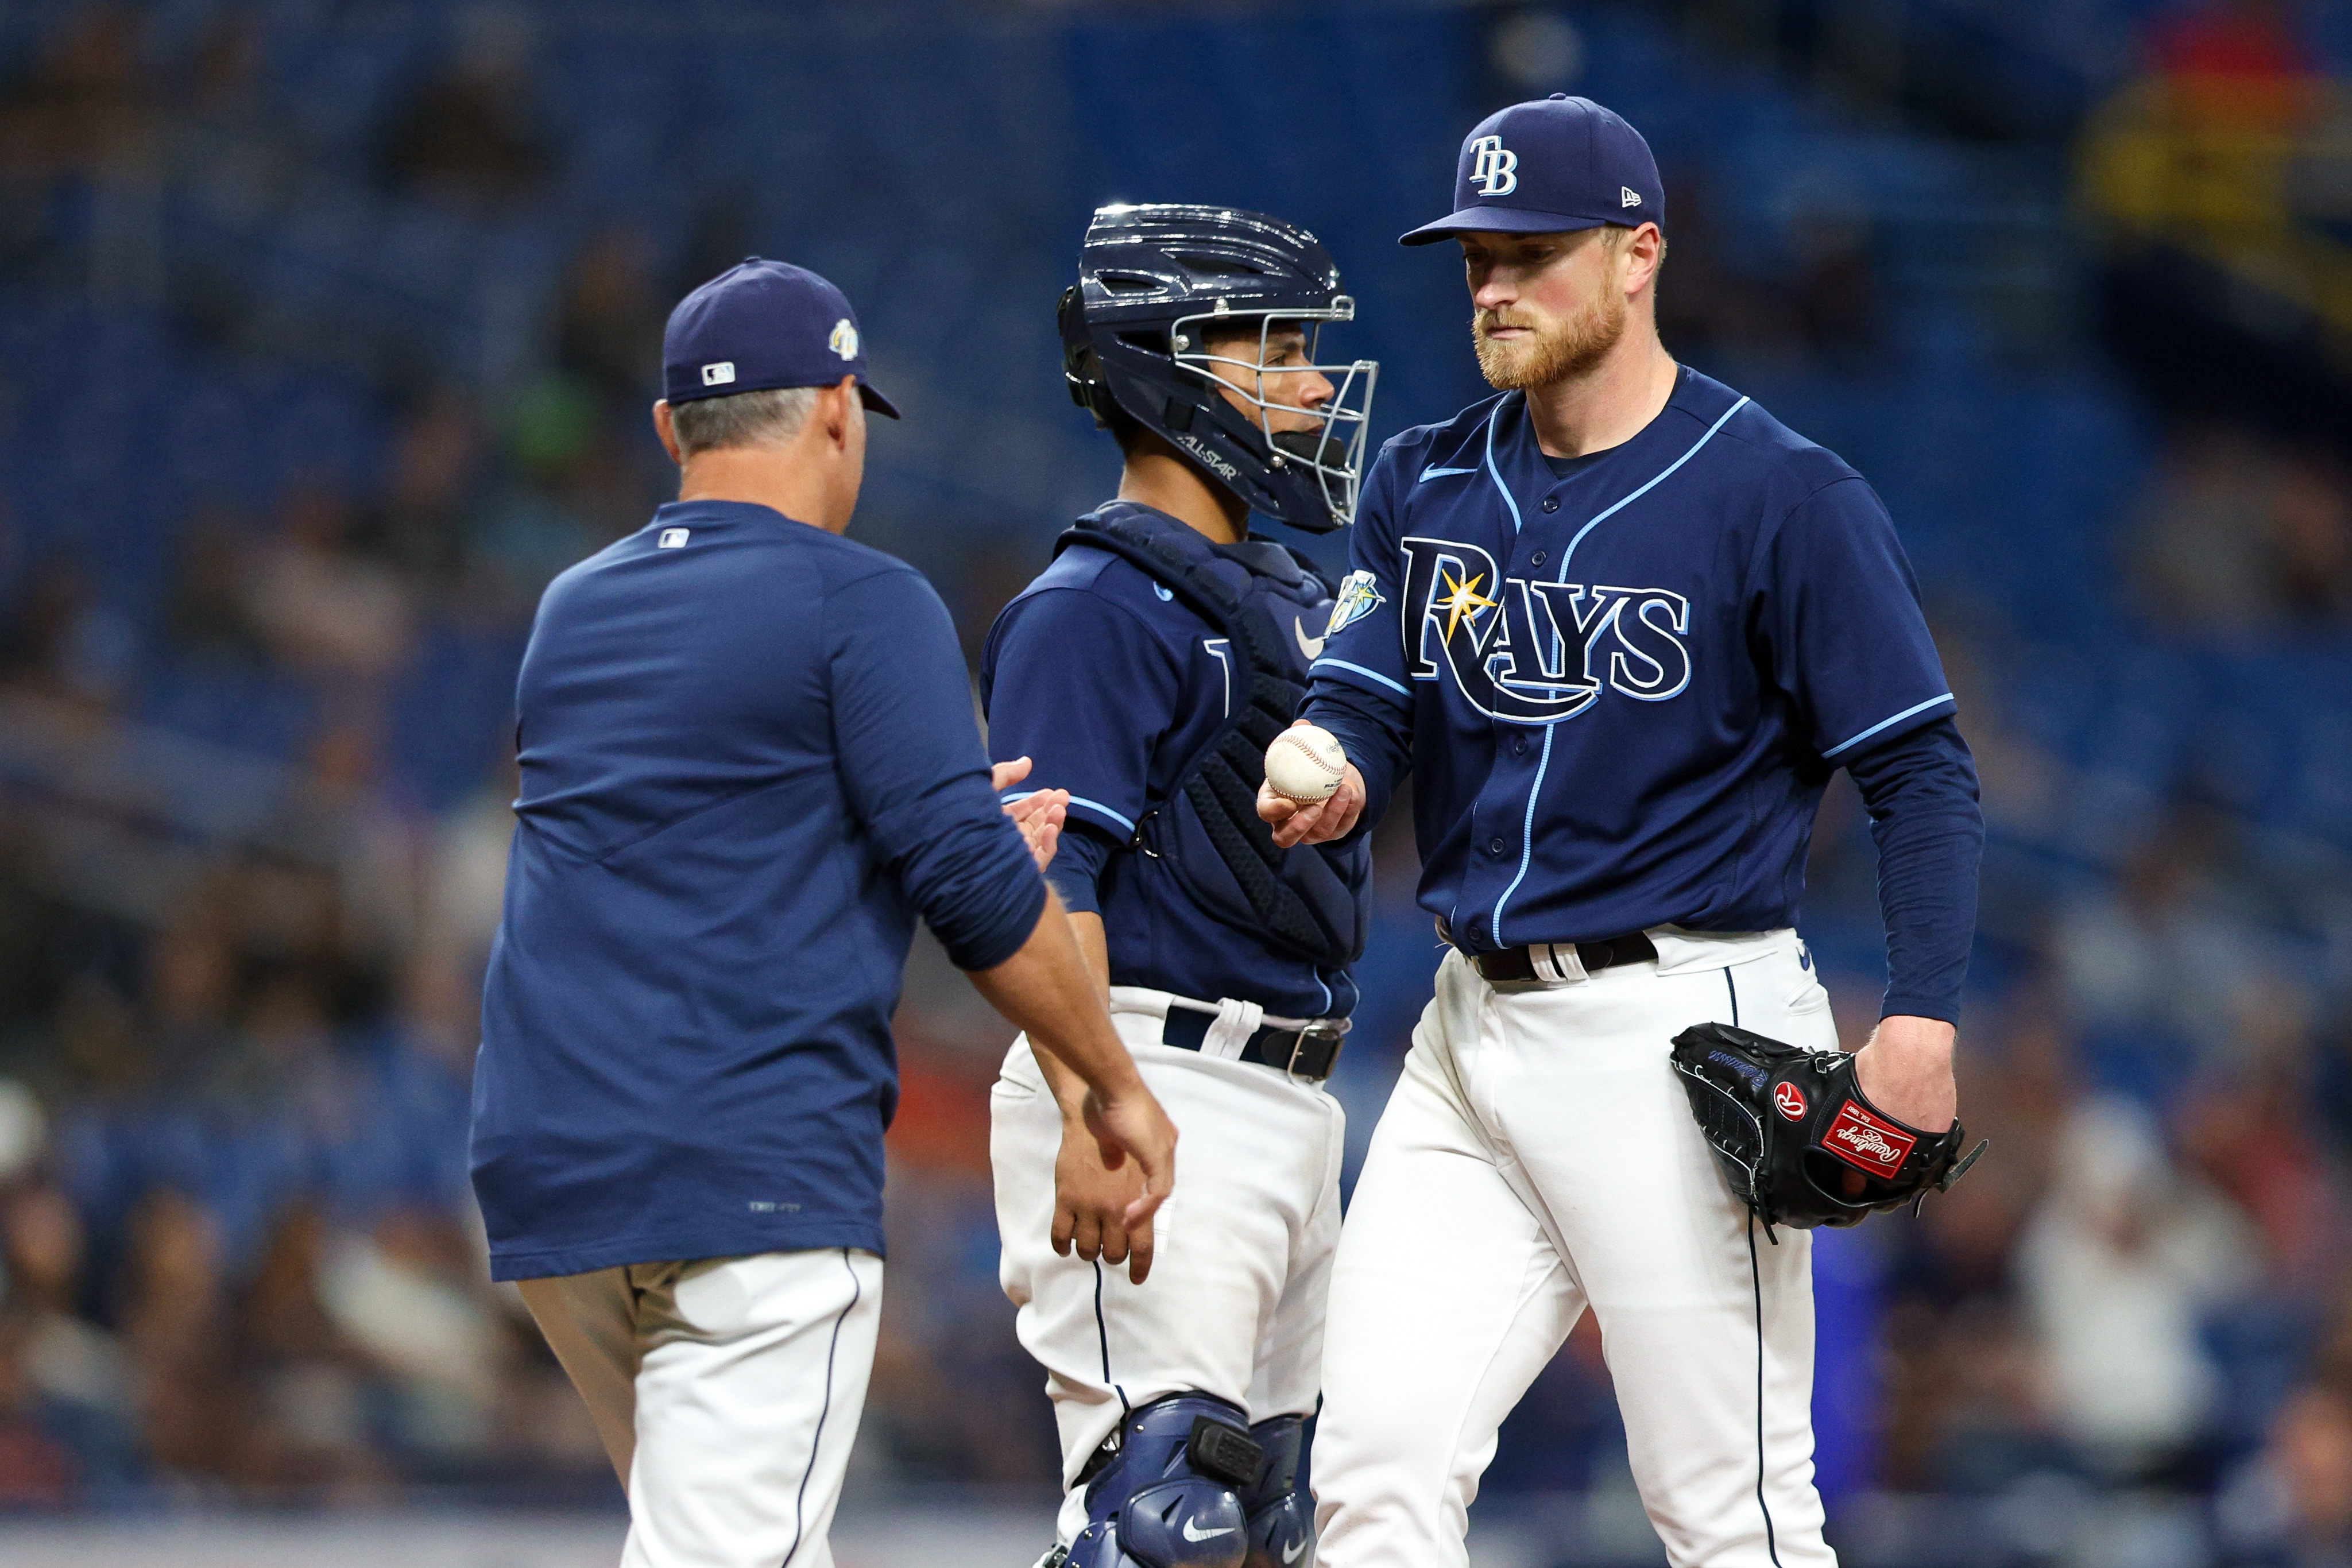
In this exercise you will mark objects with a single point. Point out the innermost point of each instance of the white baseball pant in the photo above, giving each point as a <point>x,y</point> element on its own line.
<point>1234,1305</point>
<point>1536,1158</point>
<point>727,1391</point>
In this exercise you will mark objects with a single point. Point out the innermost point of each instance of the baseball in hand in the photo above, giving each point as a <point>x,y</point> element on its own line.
<point>1305,763</point>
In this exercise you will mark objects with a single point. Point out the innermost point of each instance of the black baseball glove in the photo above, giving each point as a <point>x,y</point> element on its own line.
<point>1796,1138</point>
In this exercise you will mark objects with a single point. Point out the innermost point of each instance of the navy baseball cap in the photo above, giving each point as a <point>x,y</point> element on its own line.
<point>1549,166</point>
<point>760,325</point>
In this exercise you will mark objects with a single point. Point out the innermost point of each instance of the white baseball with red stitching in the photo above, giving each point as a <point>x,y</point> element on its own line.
<point>1305,763</point>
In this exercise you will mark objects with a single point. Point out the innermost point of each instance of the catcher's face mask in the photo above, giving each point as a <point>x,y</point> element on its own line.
<point>1315,416</point>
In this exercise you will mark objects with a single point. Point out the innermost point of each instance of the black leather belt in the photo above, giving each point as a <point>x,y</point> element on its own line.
<point>1517,965</point>
<point>1308,1052</point>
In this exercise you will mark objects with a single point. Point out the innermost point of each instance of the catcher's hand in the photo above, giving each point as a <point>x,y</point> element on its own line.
<point>1039,815</point>
<point>1797,1140</point>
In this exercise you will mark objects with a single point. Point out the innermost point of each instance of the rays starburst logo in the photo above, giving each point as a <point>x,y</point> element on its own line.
<point>1463,599</point>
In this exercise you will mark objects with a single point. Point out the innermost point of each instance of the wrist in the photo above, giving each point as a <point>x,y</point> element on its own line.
<point>1117,1086</point>
<point>1912,1035</point>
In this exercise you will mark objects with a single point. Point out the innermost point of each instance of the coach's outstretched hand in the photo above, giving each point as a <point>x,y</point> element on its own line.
<point>1318,823</point>
<point>1039,815</point>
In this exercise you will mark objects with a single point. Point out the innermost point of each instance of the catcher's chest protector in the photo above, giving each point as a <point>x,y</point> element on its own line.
<point>1310,900</point>
<point>1797,1139</point>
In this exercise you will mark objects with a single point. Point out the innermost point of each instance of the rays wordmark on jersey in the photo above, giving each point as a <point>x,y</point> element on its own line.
<point>1529,652</point>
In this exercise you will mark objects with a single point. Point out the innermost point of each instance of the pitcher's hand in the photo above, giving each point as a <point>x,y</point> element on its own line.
<point>1905,1071</point>
<point>1318,823</point>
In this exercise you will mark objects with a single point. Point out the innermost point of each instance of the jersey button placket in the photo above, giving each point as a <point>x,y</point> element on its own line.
<point>1551,503</point>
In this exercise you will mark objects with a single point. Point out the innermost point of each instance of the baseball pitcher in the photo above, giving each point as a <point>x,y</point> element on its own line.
<point>1619,625</point>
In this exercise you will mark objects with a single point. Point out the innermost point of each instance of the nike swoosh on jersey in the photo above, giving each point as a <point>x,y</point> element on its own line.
<point>1290,1553</point>
<point>1429,474</point>
<point>1310,646</point>
<point>1192,1534</point>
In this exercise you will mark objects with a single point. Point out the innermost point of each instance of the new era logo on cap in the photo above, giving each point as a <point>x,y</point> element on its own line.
<point>1628,197</point>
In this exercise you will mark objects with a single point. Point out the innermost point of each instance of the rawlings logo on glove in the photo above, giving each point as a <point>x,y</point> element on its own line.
<point>1796,1138</point>
<point>1862,1140</point>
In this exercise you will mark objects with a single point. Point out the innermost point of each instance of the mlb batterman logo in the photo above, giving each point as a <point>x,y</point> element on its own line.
<point>718,372</point>
<point>844,340</point>
<point>1492,170</point>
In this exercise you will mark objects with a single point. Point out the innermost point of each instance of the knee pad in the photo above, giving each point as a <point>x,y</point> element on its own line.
<point>1280,1509</point>
<point>1170,1496</point>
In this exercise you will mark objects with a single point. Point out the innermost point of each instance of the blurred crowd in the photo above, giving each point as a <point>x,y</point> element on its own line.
<point>253,823</point>
<point>2243,535</point>
<point>240,1010</point>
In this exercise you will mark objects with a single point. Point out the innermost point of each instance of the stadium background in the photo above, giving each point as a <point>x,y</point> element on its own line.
<point>327,332</point>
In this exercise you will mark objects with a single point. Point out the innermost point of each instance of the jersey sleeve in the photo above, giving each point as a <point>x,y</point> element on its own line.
<point>1085,691</point>
<point>1839,612</point>
<point>914,772</point>
<point>1357,688</point>
<point>1362,643</point>
<point>1921,794</point>
<point>1078,870</point>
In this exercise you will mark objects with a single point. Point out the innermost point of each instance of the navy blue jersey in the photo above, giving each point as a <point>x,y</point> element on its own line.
<point>1620,689</point>
<point>749,761</point>
<point>1111,682</point>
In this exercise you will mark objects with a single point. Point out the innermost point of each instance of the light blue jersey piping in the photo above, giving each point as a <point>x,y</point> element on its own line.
<point>1882,723</point>
<point>1535,790</point>
<point>1359,669</point>
<point>1011,796</point>
<point>1493,473</point>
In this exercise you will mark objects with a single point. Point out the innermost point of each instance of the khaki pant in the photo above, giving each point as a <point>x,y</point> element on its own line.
<point>727,1391</point>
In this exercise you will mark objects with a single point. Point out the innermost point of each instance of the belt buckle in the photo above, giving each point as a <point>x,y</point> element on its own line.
<point>1332,1030</point>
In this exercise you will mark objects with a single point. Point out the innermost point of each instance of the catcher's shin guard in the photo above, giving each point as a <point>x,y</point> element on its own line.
<point>1170,1496</point>
<point>1280,1508</point>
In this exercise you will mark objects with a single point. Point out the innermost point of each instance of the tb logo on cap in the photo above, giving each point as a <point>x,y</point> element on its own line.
<point>1492,170</point>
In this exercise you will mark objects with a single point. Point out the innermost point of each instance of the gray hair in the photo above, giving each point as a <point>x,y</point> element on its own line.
<point>770,417</point>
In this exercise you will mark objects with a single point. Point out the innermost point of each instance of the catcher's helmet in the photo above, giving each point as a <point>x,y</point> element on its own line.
<point>1151,279</point>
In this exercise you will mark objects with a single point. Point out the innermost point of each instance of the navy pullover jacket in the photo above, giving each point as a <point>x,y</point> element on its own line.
<point>748,762</point>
